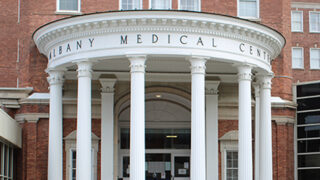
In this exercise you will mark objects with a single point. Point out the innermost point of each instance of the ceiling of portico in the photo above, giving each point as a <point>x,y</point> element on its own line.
<point>161,65</point>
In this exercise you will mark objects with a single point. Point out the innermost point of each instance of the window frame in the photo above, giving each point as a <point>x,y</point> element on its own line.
<point>302,57</point>
<point>170,7</point>
<point>70,145</point>
<point>312,68</point>
<point>198,10</point>
<point>310,12</point>
<point>226,161</point>
<point>120,6</point>
<point>7,170</point>
<point>301,18</point>
<point>249,17</point>
<point>296,126</point>
<point>59,11</point>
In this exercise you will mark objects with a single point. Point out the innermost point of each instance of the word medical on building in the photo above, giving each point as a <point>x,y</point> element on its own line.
<point>152,39</point>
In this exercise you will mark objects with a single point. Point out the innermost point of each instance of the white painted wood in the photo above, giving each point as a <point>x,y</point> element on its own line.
<point>55,155</point>
<point>212,158</point>
<point>84,161</point>
<point>137,126</point>
<point>245,131</point>
<point>198,146</point>
<point>265,139</point>
<point>107,143</point>
<point>10,130</point>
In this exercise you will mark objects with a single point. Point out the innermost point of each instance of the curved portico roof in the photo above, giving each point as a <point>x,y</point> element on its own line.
<point>178,34</point>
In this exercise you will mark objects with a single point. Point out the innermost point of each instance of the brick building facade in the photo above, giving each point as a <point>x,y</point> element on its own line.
<point>24,88</point>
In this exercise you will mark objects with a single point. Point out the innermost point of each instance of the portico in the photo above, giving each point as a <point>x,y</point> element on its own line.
<point>205,50</point>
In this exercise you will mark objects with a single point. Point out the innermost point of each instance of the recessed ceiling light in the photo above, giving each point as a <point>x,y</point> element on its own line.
<point>158,95</point>
<point>171,136</point>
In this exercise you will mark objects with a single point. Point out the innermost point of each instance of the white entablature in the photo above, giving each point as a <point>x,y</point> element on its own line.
<point>112,35</point>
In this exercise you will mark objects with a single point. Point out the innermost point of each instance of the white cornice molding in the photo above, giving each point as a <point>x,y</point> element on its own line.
<point>158,21</point>
<point>283,120</point>
<point>305,5</point>
<point>30,117</point>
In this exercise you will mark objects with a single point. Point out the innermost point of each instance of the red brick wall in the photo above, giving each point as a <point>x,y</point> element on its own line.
<point>31,72</point>
<point>306,40</point>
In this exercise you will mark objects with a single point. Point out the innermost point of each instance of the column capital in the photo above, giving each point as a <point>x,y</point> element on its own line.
<point>107,85</point>
<point>55,76</point>
<point>137,63</point>
<point>198,64</point>
<point>244,72</point>
<point>84,68</point>
<point>212,87</point>
<point>265,80</point>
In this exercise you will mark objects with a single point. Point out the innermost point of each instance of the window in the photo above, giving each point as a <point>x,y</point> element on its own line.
<point>314,58</point>
<point>130,4</point>
<point>314,21</point>
<point>308,131</point>
<point>229,155</point>
<point>248,8</point>
<point>6,162</point>
<point>296,21</point>
<point>68,5</point>
<point>71,154</point>
<point>232,165</point>
<point>73,164</point>
<point>190,5</point>
<point>297,58</point>
<point>160,4</point>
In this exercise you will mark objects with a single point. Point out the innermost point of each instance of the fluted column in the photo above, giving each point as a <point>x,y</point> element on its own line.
<point>137,118</point>
<point>55,153</point>
<point>256,131</point>
<point>212,130</point>
<point>107,102</point>
<point>198,146</point>
<point>84,161</point>
<point>245,131</point>
<point>265,128</point>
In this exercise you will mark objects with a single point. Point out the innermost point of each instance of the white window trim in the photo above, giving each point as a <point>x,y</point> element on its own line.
<point>302,49</point>
<point>310,58</point>
<point>301,12</point>
<point>228,142</point>
<point>120,6</point>
<point>249,17</point>
<point>170,7</point>
<point>70,144</point>
<point>58,11</point>
<point>310,12</point>
<point>199,7</point>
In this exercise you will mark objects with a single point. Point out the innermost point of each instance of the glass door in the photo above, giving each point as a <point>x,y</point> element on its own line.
<point>158,166</point>
<point>181,167</point>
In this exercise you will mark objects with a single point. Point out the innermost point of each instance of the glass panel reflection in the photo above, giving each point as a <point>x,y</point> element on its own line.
<point>309,160</point>
<point>309,118</point>
<point>309,174</point>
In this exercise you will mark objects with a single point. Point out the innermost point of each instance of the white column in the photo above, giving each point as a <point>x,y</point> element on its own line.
<point>107,102</point>
<point>55,155</point>
<point>212,130</point>
<point>198,146</point>
<point>256,131</point>
<point>266,172</point>
<point>137,115</point>
<point>84,161</point>
<point>245,131</point>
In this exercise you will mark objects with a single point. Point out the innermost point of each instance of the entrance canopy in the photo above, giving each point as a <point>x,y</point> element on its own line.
<point>109,37</point>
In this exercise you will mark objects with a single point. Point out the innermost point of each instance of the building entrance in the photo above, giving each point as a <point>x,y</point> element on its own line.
<point>167,154</point>
<point>162,166</point>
